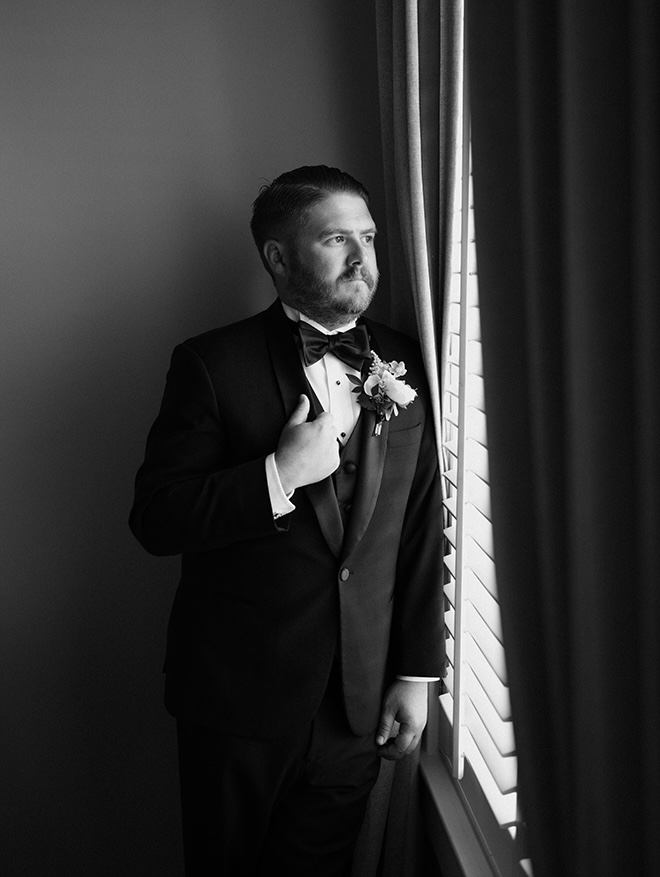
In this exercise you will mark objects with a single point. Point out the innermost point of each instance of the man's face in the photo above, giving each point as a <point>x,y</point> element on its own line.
<point>330,265</point>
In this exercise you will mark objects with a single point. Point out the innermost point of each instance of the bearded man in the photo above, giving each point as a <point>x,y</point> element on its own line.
<point>296,473</point>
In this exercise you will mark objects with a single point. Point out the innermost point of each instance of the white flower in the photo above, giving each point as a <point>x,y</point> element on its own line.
<point>398,391</point>
<point>370,384</point>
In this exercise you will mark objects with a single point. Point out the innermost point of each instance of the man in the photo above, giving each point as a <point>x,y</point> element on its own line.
<point>308,617</point>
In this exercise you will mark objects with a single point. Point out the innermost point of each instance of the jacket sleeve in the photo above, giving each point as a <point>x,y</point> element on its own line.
<point>186,496</point>
<point>419,629</point>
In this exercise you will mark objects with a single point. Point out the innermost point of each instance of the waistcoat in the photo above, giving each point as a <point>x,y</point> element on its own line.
<point>346,475</point>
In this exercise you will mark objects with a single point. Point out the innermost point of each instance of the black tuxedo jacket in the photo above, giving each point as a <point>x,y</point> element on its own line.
<point>264,606</point>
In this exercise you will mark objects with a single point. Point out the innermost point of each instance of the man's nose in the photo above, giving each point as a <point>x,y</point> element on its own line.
<point>357,255</point>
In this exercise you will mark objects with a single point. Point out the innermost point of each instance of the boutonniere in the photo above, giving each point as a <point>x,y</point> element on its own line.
<point>381,389</point>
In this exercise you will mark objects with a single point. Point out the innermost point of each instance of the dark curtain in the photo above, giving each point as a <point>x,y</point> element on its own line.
<point>565,139</point>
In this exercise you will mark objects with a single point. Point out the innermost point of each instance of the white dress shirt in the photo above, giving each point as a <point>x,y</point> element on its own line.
<point>327,377</point>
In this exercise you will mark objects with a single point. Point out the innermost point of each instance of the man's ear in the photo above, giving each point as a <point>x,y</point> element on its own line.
<point>274,255</point>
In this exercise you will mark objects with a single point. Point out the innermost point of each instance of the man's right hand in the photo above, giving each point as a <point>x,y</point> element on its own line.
<point>307,451</point>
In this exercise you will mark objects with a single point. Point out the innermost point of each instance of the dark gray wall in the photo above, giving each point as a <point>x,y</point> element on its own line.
<point>134,135</point>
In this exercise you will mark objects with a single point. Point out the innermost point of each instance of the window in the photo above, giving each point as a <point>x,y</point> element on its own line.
<point>476,728</point>
<point>473,723</point>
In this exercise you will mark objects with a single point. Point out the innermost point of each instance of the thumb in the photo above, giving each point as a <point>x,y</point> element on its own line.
<point>385,727</point>
<point>300,412</point>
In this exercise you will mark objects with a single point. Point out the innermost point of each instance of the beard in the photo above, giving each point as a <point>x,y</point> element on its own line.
<point>330,303</point>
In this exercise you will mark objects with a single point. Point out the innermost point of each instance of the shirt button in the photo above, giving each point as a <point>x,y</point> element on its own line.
<point>343,435</point>
<point>350,467</point>
<point>338,383</point>
<point>344,574</point>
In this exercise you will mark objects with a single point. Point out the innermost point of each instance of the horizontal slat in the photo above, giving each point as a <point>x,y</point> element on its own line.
<point>503,806</point>
<point>473,324</point>
<point>450,620</point>
<point>450,446</point>
<point>456,254</point>
<point>455,283</point>
<point>447,704</point>
<point>488,643</point>
<point>450,643</point>
<point>450,437</point>
<point>472,280</point>
<point>475,426</point>
<point>450,399</point>
<point>451,414</point>
<point>474,392</point>
<point>450,405</point>
<point>452,477</point>
<point>501,730</point>
<point>454,317</point>
<point>476,559</point>
<point>494,685</point>
<point>453,346</point>
<point>452,376</point>
<point>501,767</point>
<point>477,492</point>
<point>483,601</point>
<point>449,679</point>
<point>476,458</point>
<point>475,358</point>
<point>479,527</point>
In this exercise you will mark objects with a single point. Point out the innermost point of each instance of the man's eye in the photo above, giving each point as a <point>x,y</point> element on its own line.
<point>368,239</point>
<point>338,239</point>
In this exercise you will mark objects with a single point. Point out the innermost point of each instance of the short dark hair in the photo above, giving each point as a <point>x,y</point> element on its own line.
<point>281,207</point>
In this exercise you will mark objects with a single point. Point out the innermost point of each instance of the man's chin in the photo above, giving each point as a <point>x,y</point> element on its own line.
<point>359,297</point>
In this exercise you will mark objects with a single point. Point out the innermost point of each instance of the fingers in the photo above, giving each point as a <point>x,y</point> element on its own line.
<point>399,747</point>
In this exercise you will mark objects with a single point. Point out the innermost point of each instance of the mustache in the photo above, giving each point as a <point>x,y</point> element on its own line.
<point>358,274</point>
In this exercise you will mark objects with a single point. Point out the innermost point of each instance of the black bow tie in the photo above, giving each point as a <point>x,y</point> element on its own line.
<point>352,347</point>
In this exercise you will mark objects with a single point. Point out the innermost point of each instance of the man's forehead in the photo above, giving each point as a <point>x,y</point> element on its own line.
<point>340,212</point>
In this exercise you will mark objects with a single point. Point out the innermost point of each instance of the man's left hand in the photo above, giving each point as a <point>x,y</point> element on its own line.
<point>405,703</point>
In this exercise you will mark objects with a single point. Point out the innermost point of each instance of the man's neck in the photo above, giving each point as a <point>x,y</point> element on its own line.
<point>296,315</point>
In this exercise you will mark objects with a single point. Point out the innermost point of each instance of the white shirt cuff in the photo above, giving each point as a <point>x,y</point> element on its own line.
<point>419,678</point>
<point>279,501</point>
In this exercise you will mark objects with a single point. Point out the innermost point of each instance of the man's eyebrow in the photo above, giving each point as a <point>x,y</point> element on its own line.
<point>328,232</point>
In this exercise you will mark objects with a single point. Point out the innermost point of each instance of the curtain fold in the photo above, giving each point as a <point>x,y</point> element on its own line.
<point>565,140</point>
<point>419,70</point>
<point>419,58</point>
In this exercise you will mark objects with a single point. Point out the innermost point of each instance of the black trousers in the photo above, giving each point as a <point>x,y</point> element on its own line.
<point>293,806</point>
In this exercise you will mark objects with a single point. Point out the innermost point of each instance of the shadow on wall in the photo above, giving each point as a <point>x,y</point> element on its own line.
<point>92,765</point>
<point>135,140</point>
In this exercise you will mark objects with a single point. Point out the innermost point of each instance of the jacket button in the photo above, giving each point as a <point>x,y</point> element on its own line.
<point>350,467</point>
<point>344,574</point>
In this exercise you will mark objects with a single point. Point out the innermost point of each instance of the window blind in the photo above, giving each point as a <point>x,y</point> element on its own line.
<point>475,722</point>
<point>476,700</point>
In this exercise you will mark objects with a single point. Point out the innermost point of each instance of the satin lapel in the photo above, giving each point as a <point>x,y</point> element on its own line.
<point>292,382</point>
<point>372,460</point>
